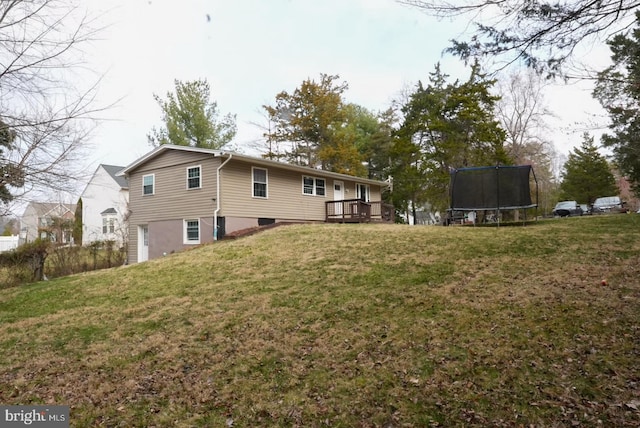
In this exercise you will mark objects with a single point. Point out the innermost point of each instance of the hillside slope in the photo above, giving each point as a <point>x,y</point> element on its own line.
<point>344,325</point>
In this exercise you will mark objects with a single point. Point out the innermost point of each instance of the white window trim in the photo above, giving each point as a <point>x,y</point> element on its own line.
<point>266,183</point>
<point>199,177</point>
<point>153,184</point>
<point>185,236</point>
<point>315,186</point>
<point>109,218</point>
<point>367,192</point>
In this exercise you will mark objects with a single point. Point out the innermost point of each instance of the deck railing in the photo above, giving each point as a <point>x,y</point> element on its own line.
<point>358,211</point>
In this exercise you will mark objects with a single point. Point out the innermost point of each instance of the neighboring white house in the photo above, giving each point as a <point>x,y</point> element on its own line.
<point>47,220</point>
<point>105,202</point>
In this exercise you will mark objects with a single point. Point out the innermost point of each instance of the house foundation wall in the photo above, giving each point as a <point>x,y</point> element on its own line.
<point>167,236</point>
<point>233,224</point>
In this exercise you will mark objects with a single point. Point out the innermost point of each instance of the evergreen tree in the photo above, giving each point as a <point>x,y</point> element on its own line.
<point>191,119</point>
<point>308,120</point>
<point>409,176</point>
<point>587,175</point>
<point>77,224</point>
<point>375,141</point>
<point>320,129</point>
<point>451,125</point>
<point>618,90</point>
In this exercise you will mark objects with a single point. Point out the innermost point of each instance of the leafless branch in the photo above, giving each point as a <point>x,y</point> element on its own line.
<point>540,33</point>
<point>49,110</point>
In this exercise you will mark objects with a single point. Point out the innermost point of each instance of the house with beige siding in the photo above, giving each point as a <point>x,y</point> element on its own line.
<point>184,196</point>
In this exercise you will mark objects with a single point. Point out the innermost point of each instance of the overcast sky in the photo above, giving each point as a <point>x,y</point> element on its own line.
<point>250,50</point>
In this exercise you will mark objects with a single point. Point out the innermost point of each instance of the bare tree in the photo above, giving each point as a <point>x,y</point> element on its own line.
<point>44,106</point>
<point>522,111</point>
<point>269,147</point>
<point>541,33</point>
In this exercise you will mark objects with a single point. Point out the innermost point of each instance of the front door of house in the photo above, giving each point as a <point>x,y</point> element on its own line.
<point>338,195</point>
<point>143,240</point>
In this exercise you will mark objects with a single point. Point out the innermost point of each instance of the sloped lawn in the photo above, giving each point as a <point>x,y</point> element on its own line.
<point>344,326</point>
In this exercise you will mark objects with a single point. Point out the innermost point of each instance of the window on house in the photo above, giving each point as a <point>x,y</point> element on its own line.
<point>307,185</point>
<point>192,231</point>
<point>363,192</point>
<point>108,224</point>
<point>259,182</point>
<point>194,180</point>
<point>313,186</point>
<point>148,182</point>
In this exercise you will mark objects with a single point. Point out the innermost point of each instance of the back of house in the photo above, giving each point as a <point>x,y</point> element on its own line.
<point>184,196</point>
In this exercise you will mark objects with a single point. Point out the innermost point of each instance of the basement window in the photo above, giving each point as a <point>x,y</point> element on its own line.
<point>192,231</point>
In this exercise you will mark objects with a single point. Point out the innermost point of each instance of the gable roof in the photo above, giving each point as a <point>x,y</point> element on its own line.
<point>254,160</point>
<point>113,170</point>
<point>44,208</point>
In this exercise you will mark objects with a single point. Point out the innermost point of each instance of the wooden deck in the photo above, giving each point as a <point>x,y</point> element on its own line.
<point>358,211</point>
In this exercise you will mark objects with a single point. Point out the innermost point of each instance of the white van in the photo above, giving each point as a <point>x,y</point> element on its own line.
<point>608,204</point>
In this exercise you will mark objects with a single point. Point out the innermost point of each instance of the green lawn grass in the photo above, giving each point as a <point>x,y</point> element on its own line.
<point>343,326</point>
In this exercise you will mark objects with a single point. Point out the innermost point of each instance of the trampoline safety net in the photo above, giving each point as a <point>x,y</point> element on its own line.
<point>493,187</point>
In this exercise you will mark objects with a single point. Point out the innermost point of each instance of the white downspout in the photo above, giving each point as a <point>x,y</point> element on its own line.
<point>215,213</point>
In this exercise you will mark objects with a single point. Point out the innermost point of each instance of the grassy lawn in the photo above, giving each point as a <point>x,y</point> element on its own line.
<point>344,326</point>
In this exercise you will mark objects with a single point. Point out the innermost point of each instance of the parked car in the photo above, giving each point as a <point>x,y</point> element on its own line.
<point>566,209</point>
<point>608,204</point>
<point>585,209</point>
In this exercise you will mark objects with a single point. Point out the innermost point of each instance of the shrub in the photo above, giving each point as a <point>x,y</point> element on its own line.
<point>25,263</point>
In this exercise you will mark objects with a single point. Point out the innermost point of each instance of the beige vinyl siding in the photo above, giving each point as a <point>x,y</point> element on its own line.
<point>132,248</point>
<point>172,203</point>
<point>285,200</point>
<point>171,198</point>
<point>170,159</point>
<point>284,189</point>
<point>376,194</point>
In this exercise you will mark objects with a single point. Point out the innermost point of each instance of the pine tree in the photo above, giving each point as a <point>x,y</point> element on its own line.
<point>618,91</point>
<point>308,120</point>
<point>451,125</point>
<point>77,224</point>
<point>586,174</point>
<point>191,119</point>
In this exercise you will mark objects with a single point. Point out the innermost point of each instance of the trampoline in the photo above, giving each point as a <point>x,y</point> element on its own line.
<point>493,188</point>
